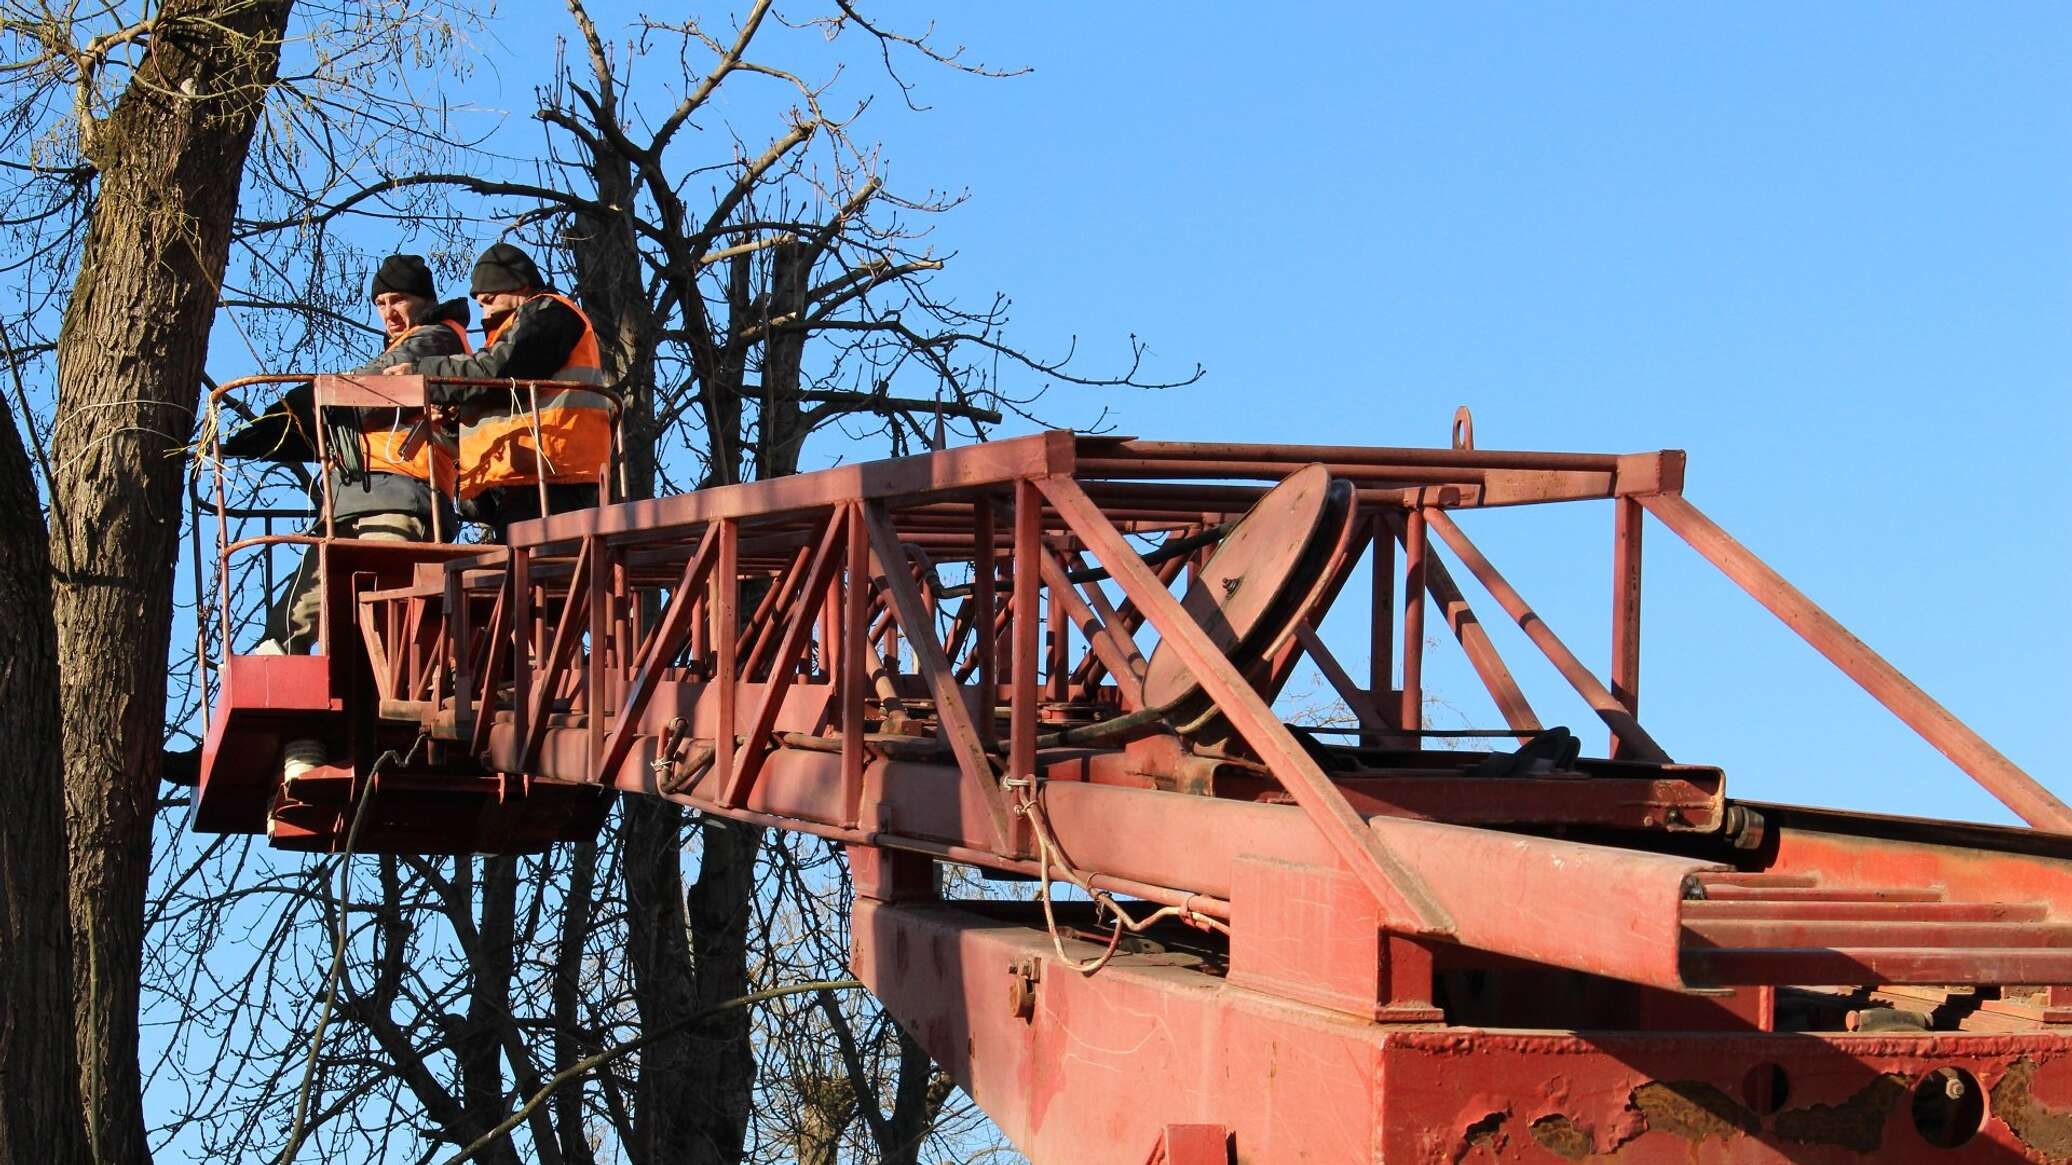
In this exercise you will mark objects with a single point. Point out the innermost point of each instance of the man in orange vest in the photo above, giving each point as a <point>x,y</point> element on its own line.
<point>387,477</point>
<point>515,439</point>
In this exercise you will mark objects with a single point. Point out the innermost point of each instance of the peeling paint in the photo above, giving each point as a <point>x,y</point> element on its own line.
<point>1857,1123</point>
<point>1693,1110</point>
<point>2042,1130</point>
<point>1486,1133</point>
<point>1562,1137</point>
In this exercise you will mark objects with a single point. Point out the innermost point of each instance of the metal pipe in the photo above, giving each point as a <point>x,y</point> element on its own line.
<point>1094,449</point>
<point>1363,709</point>
<point>1626,555</point>
<point>986,638</point>
<point>856,569</point>
<point>1641,745</point>
<point>1118,655</point>
<point>1475,643</point>
<point>723,604</point>
<point>1208,904</point>
<point>1381,616</point>
<point>1268,470</point>
<point>1411,710</point>
<point>1401,894</point>
<point>1022,662</point>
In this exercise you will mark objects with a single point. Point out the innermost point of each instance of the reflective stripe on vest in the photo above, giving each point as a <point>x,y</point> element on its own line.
<point>386,431</point>
<point>559,435</point>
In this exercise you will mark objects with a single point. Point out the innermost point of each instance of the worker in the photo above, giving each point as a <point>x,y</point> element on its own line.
<point>513,439</point>
<point>387,475</point>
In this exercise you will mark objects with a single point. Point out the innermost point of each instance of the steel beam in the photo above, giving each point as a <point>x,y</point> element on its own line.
<point>1405,903</point>
<point>1901,696</point>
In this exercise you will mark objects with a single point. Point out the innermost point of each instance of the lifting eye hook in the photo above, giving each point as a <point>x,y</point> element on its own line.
<point>1463,429</point>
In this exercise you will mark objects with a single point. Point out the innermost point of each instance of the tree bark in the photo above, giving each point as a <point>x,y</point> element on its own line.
<point>827,1103</point>
<point>722,1055</point>
<point>659,949</point>
<point>130,355</point>
<point>40,1117</point>
<point>918,1100</point>
<point>611,284</point>
<point>577,916</point>
<point>610,281</point>
<point>491,966</point>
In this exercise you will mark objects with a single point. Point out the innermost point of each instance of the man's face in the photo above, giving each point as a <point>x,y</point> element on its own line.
<point>399,311</point>
<point>496,305</point>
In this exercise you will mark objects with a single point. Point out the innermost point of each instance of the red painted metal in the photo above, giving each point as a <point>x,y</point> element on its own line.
<point>1350,947</point>
<point>1474,641</point>
<point>1415,570</point>
<point>1626,560</point>
<point>1622,723</point>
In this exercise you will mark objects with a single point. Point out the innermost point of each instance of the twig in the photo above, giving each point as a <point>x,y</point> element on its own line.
<point>297,1131</point>
<point>583,1066</point>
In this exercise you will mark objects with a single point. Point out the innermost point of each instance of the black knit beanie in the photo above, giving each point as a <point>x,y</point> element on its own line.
<point>406,274</point>
<point>504,267</point>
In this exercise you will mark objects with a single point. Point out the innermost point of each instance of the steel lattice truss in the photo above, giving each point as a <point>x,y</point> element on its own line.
<point>1057,656</point>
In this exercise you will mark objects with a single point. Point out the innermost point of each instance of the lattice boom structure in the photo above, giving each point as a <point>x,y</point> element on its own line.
<point>1057,656</point>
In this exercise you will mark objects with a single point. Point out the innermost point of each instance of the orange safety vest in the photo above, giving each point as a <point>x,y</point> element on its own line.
<point>386,431</point>
<point>558,435</point>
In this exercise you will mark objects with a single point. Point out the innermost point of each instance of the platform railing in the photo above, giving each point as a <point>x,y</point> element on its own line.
<point>328,392</point>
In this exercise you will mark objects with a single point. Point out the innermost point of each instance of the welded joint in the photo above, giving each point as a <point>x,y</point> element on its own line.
<point>1661,472</point>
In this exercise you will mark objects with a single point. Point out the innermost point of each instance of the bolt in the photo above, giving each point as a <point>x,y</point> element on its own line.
<point>1021,991</point>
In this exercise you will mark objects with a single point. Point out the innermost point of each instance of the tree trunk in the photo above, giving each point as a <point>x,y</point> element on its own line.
<point>827,1103</point>
<point>722,1055</point>
<point>490,967</point>
<point>610,282</point>
<point>40,1117</point>
<point>609,279</point>
<point>918,1100</point>
<point>577,916</point>
<point>130,357</point>
<point>781,427</point>
<point>659,950</point>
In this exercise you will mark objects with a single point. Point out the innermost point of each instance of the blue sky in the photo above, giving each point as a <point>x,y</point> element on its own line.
<point>1822,248</point>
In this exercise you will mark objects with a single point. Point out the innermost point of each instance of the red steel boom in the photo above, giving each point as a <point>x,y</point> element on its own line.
<point>1306,944</point>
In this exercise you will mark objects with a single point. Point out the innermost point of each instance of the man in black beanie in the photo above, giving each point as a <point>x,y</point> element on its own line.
<point>388,476</point>
<point>520,445</point>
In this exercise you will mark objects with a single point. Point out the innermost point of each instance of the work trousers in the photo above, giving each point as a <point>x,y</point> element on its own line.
<point>291,624</point>
<point>499,507</point>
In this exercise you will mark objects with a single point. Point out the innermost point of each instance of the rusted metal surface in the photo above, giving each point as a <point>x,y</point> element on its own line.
<point>1253,572</point>
<point>1101,1065</point>
<point>1033,654</point>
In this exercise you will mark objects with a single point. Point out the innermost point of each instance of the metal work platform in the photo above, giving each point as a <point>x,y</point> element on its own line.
<point>1057,657</point>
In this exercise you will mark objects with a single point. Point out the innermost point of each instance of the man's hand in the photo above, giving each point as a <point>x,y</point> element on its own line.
<point>400,370</point>
<point>443,416</point>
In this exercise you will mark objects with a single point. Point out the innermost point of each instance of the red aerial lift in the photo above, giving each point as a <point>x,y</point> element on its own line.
<point>1057,656</point>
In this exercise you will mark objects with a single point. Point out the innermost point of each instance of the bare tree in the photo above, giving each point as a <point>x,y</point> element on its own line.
<point>128,144</point>
<point>714,305</point>
<point>163,154</point>
<point>749,291</point>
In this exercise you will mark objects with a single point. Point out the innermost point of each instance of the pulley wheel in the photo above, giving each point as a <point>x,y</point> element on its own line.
<point>1261,579</point>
